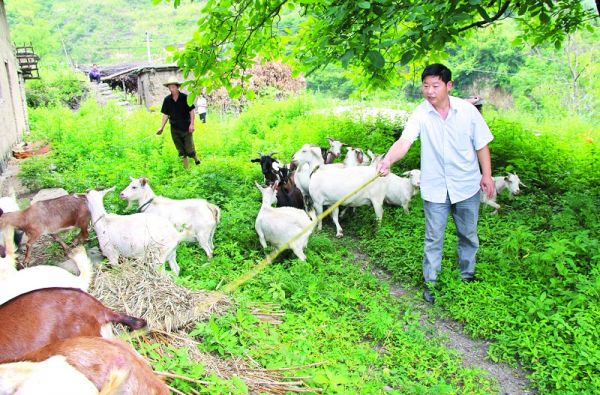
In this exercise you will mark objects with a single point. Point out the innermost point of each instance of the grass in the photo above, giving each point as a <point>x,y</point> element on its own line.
<point>538,300</point>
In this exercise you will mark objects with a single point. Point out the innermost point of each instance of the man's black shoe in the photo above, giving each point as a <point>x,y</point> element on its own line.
<point>427,295</point>
<point>469,280</point>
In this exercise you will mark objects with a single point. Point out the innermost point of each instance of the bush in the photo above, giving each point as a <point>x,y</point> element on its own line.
<point>60,89</point>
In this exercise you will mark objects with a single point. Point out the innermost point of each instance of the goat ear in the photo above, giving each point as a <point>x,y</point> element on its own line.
<point>406,173</point>
<point>131,178</point>
<point>330,139</point>
<point>255,160</point>
<point>143,181</point>
<point>104,192</point>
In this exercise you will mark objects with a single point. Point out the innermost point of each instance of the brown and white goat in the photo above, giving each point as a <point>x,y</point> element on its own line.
<point>96,358</point>
<point>44,316</point>
<point>288,194</point>
<point>50,217</point>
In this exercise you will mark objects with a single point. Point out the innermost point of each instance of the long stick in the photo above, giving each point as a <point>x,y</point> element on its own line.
<point>233,285</point>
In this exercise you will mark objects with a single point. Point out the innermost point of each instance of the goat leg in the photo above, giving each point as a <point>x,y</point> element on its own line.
<point>59,241</point>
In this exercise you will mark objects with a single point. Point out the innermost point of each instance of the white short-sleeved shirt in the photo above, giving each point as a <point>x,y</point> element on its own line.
<point>449,163</point>
<point>201,104</point>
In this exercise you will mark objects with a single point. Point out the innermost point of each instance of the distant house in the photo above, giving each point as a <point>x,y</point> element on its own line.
<point>13,109</point>
<point>145,80</point>
<point>151,91</point>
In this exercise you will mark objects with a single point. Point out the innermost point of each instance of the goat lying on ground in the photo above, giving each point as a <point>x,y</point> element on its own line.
<point>134,236</point>
<point>196,215</point>
<point>278,225</point>
<point>510,181</point>
<point>96,358</point>
<point>45,276</point>
<point>40,317</point>
<point>50,217</point>
<point>52,376</point>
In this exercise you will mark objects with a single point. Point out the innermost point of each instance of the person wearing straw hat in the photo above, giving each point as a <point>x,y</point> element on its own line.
<point>180,114</point>
<point>455,167</point>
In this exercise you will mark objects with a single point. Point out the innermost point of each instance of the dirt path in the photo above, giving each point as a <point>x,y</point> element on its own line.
<point>474,352</point>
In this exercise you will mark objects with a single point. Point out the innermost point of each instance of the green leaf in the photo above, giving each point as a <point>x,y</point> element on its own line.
<point>364,5</point>
<point>406,57</point>
<point>376,59</point>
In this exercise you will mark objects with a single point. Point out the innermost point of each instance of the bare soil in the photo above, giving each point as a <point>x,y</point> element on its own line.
<point>474,353</point>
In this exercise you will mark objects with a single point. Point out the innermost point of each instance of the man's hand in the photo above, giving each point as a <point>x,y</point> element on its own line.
<point>159,131</point>
<point>383,168</point>
<point>191,129</point>
<point>487,186</point>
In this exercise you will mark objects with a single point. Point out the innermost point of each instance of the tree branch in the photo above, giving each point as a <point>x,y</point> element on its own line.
<point>484,22</point>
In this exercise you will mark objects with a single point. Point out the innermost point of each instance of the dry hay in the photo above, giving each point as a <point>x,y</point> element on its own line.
<point>139,290</point>
<point>257,379</point>
<point>170,309</point>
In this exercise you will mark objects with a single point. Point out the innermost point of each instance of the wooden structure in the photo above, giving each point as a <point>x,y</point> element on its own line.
<point>28,62</point>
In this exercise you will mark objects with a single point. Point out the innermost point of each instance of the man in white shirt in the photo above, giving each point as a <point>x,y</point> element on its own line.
<point>454,144</point>
<point>202,105</point>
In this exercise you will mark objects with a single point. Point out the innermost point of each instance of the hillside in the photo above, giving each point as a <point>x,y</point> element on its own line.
<point>110,31</point>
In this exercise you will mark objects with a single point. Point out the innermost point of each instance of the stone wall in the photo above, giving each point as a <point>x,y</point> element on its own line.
<point>151,91</point>
<point>13,110</point>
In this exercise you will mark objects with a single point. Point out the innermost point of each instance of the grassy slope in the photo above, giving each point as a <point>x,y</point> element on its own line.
<point>539,260</point>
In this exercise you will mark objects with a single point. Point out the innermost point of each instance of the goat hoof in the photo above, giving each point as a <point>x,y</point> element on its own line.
<point>339,235</point>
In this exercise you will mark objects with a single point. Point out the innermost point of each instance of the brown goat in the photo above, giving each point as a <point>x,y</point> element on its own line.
<point>44,316</point>
<point>96,358</point>
<point>50,217</point>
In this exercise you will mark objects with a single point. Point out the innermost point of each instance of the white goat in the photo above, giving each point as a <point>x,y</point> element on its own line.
<point>52,376</point>
<point>356,157</point>
<point>9,204</point>
<point>314,160</point>
<point>133,236</point>
<point>198,216</point>
<point>401,190</point>
<point>511,182</point>
<point>331,183</point>
<point>278,225</point>
<point>45,276</point>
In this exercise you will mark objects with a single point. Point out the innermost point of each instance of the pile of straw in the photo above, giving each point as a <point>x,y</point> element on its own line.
<point>135,287</point>
<point>138,289</point>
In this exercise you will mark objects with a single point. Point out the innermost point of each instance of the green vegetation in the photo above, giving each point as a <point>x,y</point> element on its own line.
<point>539,261</point>
<point>373,39</point>
<point>103,32</point>
<point>59,89</point>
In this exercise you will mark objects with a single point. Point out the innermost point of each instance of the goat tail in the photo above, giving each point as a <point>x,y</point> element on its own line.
<point>132,323</point>
<point>114,382</point>
<point>84,264</point>
<point>216,211</point>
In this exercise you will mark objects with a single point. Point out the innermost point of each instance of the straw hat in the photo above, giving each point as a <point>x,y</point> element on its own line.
<point>172,81</point>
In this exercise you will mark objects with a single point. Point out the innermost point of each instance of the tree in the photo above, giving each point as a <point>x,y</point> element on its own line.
<point>373,37</point>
